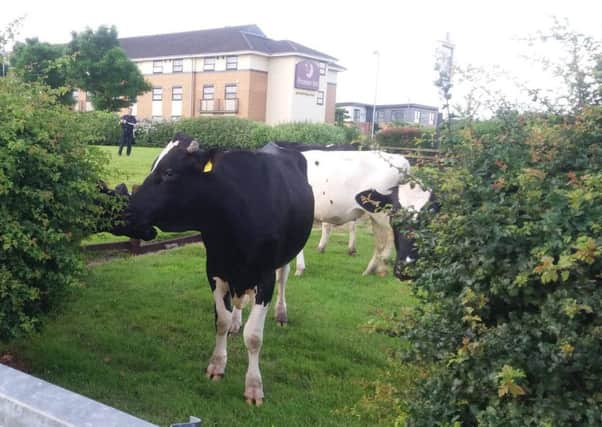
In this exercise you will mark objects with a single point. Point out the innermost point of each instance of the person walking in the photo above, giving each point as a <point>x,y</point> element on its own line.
<point>128,123</point>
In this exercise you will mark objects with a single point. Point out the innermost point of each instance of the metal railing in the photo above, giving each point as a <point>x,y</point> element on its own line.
<point>219,106</point>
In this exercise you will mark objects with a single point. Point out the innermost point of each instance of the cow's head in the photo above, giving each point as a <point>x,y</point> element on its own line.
<point>169,196</point>
<point>408,196</point>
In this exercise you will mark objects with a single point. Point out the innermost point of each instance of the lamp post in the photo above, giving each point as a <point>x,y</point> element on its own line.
<point>377,54</point>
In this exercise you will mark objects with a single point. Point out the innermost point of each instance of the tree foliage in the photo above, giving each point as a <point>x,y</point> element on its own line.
<point>100,67</point>
<point>35,61</point>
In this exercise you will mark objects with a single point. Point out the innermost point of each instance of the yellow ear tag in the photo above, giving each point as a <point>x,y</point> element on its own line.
<point>208,167</point>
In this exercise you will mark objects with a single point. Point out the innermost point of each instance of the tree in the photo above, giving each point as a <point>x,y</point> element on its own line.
<point>7,35</point>
<point>35,61</point>
<point>578,68</point>
<point>100,67</point>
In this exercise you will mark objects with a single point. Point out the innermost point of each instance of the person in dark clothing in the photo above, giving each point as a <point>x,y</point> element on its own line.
<point>128,122</point>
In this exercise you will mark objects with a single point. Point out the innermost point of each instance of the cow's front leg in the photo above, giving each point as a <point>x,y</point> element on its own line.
<point>351,245</point>
<point>223,319</point>
<point>253,336</point>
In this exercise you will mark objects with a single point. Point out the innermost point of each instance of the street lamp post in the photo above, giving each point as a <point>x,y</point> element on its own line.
<point>377,54</point>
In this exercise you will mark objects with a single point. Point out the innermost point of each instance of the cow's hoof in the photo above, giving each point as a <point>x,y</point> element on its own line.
<point>299,273</point>
<point>321,250</point>
<point>254,392</point>
<point>352,252</point>
<point>382,273</point>
<point>280,315</point>
<point>217,368</point>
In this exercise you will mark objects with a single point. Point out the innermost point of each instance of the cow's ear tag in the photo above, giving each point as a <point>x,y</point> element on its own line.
<point>208,166</point>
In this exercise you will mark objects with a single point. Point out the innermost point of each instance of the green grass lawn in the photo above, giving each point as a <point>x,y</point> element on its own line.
<point>129,169</point>
<point>139,333</point>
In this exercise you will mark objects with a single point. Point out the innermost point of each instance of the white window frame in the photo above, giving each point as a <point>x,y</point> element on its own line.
<point>157,67</point>
<point>417,116</point>
<point>180,65</point>
<point>322,68</point>
<point>231,62</point>
<point>228,95</point>
<point>209,63</point>
<point>320,97</point>
<point>157,94</point>
<point>175,96</point>
<point>211,93</point>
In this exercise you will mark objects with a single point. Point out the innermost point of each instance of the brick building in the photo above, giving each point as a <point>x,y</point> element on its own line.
<point>233,71</point>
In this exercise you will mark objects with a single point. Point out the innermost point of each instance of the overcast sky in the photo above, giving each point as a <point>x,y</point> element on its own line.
<point>405,33</point>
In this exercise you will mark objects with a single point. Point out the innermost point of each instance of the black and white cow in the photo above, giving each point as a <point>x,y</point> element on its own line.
<point>337,177</point>
<point>255,213</point>
<point>411,197</point>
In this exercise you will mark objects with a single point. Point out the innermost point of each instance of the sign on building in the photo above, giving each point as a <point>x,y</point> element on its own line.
<point>307,75</point>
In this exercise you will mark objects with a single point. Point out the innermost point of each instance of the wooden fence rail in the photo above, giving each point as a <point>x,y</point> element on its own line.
<point>137,247</point>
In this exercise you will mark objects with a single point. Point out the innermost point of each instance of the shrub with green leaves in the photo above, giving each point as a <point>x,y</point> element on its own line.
<point>48,180</point>
<point>509,330</point>
<point>409,136</point>
<point>234,132</point>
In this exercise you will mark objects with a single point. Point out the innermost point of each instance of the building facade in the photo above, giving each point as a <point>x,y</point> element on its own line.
<point>234,71</point>
<point>360,114</point>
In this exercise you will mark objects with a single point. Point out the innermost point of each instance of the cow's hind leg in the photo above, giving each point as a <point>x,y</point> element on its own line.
<point>280,307</point>
<point>300,266</point>
<point>253,337</point>
<point>223,319</point>
<point>326,231</point>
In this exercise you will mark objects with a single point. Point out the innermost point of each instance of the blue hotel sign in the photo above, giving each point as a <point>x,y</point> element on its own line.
<point>307,75</point>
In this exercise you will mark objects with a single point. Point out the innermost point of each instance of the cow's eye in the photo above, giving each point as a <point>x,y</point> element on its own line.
<point>168,173</point>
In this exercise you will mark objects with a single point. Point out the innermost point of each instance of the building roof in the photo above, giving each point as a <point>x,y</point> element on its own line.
<point>217,40</point>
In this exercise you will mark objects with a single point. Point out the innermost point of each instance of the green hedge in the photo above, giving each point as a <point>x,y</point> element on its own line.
<point>48,179</point>
<point>230,132</point>
<point>509,329</point>
<point>411,137</point>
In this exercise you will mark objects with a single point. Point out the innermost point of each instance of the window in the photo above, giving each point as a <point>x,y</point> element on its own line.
<point>209,64</point>
<point>417,116</point>
<point>431,118</point>
<point>320,97</point>
<point>176,93</point>
<point>157,118</point>
<point>231,91</point>
<point>157,67</point>
<point>356,115</point>
<point>178,65</point>
<point>322,68</point>
<point>75,95</point>
<point>208,91</point>
<point>380,116</point>
<point>175,118</point>
<point>397,116</point>
<point>232,63</point>
<point>157,94</point>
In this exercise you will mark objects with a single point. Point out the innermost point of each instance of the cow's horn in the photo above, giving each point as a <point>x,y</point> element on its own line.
<point>193,146</point>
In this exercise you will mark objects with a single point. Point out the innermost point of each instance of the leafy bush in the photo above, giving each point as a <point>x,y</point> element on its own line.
<point>510,277</point>
<point>100,127</point>
<point>234,132</point>
<point>413,137</point>
<point>315,133</point>
<point>48,187</point>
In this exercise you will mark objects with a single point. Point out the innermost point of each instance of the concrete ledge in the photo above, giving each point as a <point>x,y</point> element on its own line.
<point>26,401</point>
